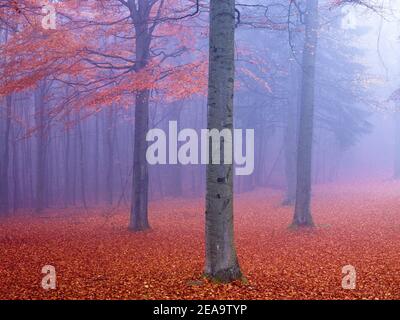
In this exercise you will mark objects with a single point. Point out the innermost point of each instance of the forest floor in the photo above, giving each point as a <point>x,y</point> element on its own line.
<point>96,257</point>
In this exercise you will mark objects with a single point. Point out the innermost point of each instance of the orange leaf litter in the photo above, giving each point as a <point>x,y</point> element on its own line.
<point>97,258</point>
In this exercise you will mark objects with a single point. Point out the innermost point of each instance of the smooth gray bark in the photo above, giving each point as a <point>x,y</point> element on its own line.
<point>67,181</point>
<point>15,171</point>
<point>41,147</point>
<point>290,139</point>
<point>110,154</point>
<point>96,161</point>
<point>5,158</point>
<point>302,213</point>
<point>221,259</point>
<point>139,215</point>
<point>82,162</point>
<point>139,209</point>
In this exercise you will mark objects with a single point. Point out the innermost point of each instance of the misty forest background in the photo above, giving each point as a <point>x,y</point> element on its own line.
<point>56,154</point>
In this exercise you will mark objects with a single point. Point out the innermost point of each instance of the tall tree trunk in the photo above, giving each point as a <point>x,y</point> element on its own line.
<point>15,172</point>
<point>74,181</point>
<point>302,213</point>
<point>110,155</point>
<point>67,160</point>
<point>49,187</point>
<point>40,147</point>
<point>174,171</point>
<point>96,161</point>
<point>139,215</point>
<point>28,166</point>
<point>5,158</point>
<point>290,140</point>
<point>82,162</point>
<point>221,259</point>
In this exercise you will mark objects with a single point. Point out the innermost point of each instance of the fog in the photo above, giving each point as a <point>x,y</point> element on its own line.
<point>91,161</point>
<point>374,156</point>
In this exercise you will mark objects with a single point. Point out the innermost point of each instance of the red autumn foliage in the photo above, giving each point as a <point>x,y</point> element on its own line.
<point>96,257</point>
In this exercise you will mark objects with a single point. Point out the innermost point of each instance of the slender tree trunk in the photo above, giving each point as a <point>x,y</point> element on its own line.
<point>96,162</point>
<point>174,171</point>
<point>177,169</point>
<point>110,155</point>
<point>139,215</point>
<point>221,259</point>
<point>74,180</point>
<point>28,165</point>
<point>262,144</point>
<point>302,213</point>
<point>49,187</point>
<point>67,177</point>
<point>290,142</point>
<point>15,172</point>
<point>82,163</point>
<point>5,158</point>
<point>40,147</point>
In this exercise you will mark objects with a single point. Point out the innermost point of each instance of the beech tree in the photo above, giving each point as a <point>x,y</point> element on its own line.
<point>221,259</point>
<point>5,131</point>
<point>5,157</point>
<point>302,212</point>
<point>41,146</point>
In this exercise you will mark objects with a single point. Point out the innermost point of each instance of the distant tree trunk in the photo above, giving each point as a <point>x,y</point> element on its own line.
<point>110,155</point>
<point>5,158</point>
<point>221,260</point>
<point>74,180</point>
<point>290,142</point>
<point>40,147</point>
<point>49,187</point>
<point>67,173</point>
<point>174,171</point>
<point>302,213</point>
<point>195,183</point>
<point>82,162</point>
<point>178,177</point>
<point>28,166</point>
<point>15,172</point>
<point>397,147</point>
<point>96,161</point>
<point>139,215</point>
<point>262,144</point>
